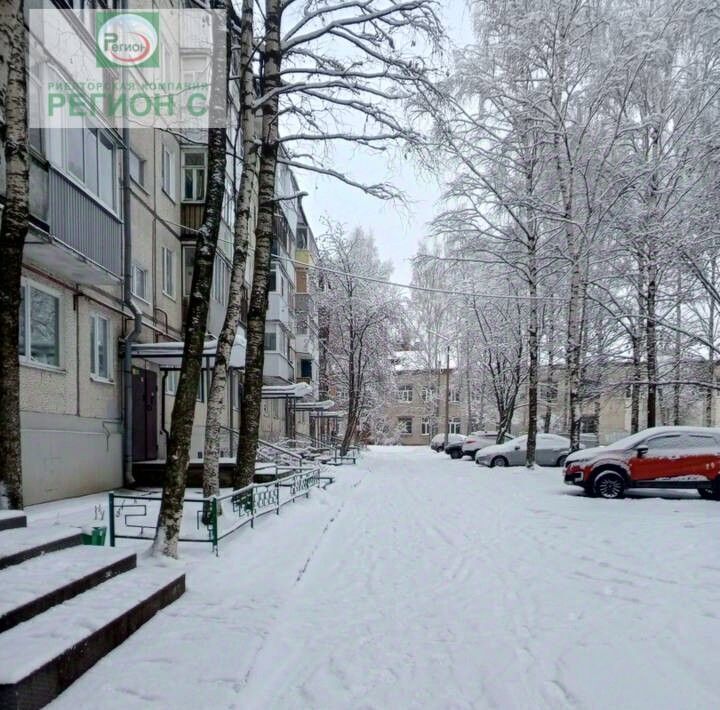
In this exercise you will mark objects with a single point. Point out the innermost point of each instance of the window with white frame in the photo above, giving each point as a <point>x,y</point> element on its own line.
<point>168,172</point>
<point>405,393</point>
<point>100,347</point>
<point>270,342</point>
<point>171,382</point>
<point>168,272</point>
<point>193,163</point>
<point>39,340</point>
<point>425,426</point>
<point>428,394</point>
<point>454,395</point>
<point>188,268</point>
<point>88,154</point>
<point>140,282</point>
<point>405,425</point>
<point>220,281</point>
<point>455,425</point>
<point>137,168</point>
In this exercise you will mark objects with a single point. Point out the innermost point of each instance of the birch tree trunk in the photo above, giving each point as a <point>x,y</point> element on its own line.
<point>13,140</point>
<point>252,390</point>
<point>183,415</point>
<point>243,202</point>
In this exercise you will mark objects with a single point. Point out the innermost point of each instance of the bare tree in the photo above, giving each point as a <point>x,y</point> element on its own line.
<point>359,311</point>
<point>15,215</point>
<point>320,94</point>
<point>178,446</point>
<point>243,207</point>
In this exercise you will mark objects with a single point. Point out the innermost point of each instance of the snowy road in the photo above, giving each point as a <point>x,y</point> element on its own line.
<point>421,582</point>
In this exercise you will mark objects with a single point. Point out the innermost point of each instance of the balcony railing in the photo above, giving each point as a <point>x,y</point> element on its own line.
<point>80,222</point>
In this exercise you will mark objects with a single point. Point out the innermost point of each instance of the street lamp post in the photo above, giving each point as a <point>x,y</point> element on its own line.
<point>447,395</point>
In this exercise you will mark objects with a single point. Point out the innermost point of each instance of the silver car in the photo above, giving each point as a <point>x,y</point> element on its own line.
<point>551,450</point>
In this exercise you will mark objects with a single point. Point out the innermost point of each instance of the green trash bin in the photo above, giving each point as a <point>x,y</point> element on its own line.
<point>94,536</point>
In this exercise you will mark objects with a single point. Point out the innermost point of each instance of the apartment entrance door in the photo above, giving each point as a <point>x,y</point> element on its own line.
<point>145,416</point>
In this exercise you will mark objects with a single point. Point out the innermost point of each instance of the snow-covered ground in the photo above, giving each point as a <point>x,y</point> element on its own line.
<point>416,581</point>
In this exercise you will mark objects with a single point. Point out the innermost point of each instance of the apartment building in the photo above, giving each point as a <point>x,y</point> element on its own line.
<point>89,218</point>
<point>418,411</point>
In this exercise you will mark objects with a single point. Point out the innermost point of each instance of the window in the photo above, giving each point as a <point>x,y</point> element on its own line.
<point>698,441</point>
<point>455,397</point>
<point>664,442</point>
<point>428,394</point>
<point>193,176</point>
<point>39,339</point>
<point>220,282</point>
<point>272,281</point>
<point>140,282</point>
<point>270,342</point>
<point>306,369</point>
<point>137,168</point>
<point>405,393</point>
<point>550,392</point>
<point>171,382</point>
<point>168,272</point>
<point>425,426</point>
<point>301,281</point>
<point>455,425</point>
<point>188,266</point>
<point>405,425</point>
<point>99,347</point>
<point>168,172</point>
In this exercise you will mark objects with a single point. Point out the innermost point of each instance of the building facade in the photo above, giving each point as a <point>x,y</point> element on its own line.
<point>106,243</point>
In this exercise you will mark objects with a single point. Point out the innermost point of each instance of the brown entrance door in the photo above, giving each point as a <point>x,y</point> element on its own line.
<point>145,417</point>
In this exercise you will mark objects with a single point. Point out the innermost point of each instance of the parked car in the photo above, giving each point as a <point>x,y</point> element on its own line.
<point>587,439</point>
<point>437,443</point>
<point>479,440</point>
<point>454,446</point>
<point>550,450</point>
<point>661,457</point>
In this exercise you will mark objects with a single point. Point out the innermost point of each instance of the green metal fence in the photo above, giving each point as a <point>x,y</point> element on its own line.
<point>209,520</point>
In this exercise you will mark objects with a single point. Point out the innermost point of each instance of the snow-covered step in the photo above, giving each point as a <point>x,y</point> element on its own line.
<point>30,588</point>
<point>10,519</point>
<point>40,658</point>
<point>22,544</point>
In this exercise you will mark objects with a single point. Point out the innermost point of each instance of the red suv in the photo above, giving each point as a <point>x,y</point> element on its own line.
<point>661,457</point>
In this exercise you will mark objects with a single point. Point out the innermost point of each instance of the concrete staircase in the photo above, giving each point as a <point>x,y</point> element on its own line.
<point>64,605</point>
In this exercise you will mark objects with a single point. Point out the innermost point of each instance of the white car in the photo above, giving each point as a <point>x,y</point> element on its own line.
<point>551,450</point>
<point>477,440</point>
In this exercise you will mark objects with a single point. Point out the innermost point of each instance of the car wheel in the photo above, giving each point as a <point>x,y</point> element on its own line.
<point>706,493</point>
<point>454,454</point>
<point>609,484</point>
<point>499,461</point>
<point>561,461</point>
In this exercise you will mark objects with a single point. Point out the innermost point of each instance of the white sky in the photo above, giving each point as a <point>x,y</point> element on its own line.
<point>397,229</point>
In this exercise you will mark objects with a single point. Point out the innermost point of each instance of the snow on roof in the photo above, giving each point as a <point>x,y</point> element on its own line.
<point>168,355</point>
<point>317,406</point>
<point>293,391</point>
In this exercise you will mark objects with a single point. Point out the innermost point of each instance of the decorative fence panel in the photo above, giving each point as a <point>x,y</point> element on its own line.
<point>209,520</point>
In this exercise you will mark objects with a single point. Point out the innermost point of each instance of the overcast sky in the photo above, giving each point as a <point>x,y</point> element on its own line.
<point>397,230</point>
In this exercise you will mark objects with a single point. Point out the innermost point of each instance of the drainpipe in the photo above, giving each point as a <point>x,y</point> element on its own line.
<point>134,334</point>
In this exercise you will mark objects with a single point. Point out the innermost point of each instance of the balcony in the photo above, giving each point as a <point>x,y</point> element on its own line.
<point>84,242</point>
<point>191,216</point>
<point>276,368</point>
